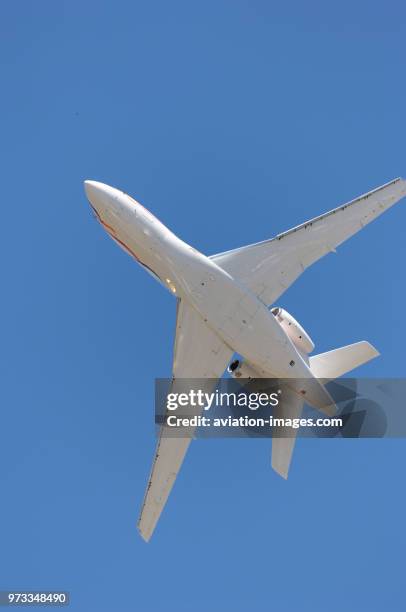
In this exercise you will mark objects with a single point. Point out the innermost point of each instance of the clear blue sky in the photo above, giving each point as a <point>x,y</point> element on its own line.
<point>231,121</point>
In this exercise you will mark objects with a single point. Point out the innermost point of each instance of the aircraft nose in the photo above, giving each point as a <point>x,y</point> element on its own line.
<point>101,197</point>
<point>90,189</point>
<point>95,192</point>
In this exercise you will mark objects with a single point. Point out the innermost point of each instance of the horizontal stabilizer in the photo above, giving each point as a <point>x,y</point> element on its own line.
<point>335,363</point>
<point>282,444</point>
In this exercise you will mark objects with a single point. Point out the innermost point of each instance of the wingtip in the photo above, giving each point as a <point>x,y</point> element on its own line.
<point>374,351</point>
<point>281,470</point>
<point>402,182</point>
<point>145,536</point>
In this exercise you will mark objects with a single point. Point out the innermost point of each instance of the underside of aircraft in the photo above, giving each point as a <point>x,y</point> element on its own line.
<point>258,274</point>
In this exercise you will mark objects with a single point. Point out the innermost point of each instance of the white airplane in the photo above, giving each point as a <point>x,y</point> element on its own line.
<point>223,308</point>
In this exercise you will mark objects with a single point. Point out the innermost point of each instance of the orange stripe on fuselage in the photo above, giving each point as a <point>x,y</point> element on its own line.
<point>112,233</point>
<point>108,227</point>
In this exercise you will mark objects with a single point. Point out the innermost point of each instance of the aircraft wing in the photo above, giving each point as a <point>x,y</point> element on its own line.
<point>283,441</point>
<point>268,268</point>
<point>198,353</point>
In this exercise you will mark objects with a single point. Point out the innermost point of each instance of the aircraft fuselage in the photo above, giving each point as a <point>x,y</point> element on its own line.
<point>231,310</point>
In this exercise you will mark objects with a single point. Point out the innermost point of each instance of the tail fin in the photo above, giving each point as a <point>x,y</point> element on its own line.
<point>335,363</point>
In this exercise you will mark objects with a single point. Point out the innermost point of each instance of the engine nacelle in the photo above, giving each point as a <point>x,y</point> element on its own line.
<point>294,330</point>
